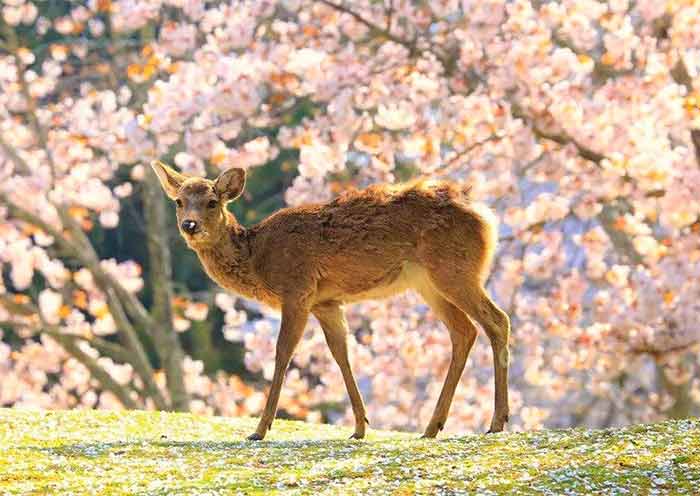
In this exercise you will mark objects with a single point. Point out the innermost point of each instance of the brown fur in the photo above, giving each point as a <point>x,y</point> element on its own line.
<point>426,235</point>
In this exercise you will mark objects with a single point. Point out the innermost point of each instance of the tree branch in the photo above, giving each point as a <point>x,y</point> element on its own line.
<point>447,58</point>
<point>71,345</point>
<point>611,212</point>
<point>96,370</point>
<point>561,138</point>
<point>622,243</point>
<point>19,162</point>
<point>106,348</point>
<point>601,71</point>
<point>389,12</point>
<point>39,130</point>
<point>80,247</point>
<point>453,161</point>
<point>140,362</point>
<point>372,26</point>
<point>82,250</point>
<point>116,294</point>
<point>680,75</point>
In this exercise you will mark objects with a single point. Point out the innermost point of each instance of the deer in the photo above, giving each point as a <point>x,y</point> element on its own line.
<point>425,235</point>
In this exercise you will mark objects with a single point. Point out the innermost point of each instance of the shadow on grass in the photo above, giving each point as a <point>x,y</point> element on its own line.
<point>92,449</point>
<point>471,444</point>
<point>463,445</point>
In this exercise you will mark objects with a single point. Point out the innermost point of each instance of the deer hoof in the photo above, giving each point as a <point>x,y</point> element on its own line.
<point>431,432</point>
<point>255,437</point>
<point>357,435</point>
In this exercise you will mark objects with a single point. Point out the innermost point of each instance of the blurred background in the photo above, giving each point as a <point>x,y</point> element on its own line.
<point>577,121</point>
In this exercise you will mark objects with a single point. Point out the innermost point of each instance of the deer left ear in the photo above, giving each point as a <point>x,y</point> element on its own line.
<point>229,185</point>
<point>170,179</point>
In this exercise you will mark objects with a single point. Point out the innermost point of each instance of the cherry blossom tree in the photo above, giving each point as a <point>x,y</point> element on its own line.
<point>577,121</point>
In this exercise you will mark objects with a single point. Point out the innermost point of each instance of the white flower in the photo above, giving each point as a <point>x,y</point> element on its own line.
<point>224,301</point>
<point>109,219</point>
<point>304,60</point>
<point>123,190</point>
<point>317,159</point>
<point>196,311</point>
<point>104,325</point>
<point>395,116</point>
<point>50,305</point>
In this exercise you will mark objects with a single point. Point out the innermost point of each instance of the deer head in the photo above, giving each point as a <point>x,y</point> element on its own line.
<point>201,203</point>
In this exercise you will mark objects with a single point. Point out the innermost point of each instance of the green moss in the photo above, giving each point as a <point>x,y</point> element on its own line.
<point>150,453</point>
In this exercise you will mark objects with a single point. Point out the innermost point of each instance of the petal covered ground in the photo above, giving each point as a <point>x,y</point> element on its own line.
<point>97,452</point>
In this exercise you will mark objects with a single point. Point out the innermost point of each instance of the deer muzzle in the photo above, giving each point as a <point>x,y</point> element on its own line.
<point>189,226</point>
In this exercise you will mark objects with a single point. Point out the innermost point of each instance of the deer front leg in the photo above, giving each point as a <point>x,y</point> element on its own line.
<point>294,316</point>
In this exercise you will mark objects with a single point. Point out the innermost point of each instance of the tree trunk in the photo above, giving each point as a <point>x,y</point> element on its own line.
<point>164,336</point>
<point>203,347</point>
<point>682,402</point>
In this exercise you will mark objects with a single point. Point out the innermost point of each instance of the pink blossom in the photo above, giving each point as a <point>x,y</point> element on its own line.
<point>177,39</point>
<point>395,116</point>
<point>50,304</point>
<point>196,311</point>
<point>109,219</point>
<point>128,273</point>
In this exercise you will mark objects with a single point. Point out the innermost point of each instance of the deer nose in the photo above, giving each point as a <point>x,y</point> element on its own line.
<point>189,226</point>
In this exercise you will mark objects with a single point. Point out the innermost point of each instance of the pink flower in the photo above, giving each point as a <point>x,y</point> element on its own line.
<point>196,311</point>
<point>178,39</point>
<point>50,305</point>
<point>395,116</point>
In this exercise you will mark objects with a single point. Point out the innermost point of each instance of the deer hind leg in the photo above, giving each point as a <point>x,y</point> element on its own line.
<point>471,298</point>
<point>497,326</point>
<point>335,328</point>
<point>462,334</point>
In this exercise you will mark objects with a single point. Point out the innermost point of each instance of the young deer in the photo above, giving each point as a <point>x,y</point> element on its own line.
<point>427,236</point>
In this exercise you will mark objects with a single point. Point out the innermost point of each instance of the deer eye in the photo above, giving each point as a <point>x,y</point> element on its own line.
<point>212,204</point>
<point>178,202</point>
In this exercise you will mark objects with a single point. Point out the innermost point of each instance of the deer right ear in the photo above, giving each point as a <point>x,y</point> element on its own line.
<point>230,183</point>
<point>170,179</point>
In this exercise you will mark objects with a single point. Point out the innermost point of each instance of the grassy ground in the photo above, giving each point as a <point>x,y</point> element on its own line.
<point>92,452</point>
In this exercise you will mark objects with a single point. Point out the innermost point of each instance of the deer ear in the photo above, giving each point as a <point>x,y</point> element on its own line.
<point>170,179</point>
<point>230,183</point>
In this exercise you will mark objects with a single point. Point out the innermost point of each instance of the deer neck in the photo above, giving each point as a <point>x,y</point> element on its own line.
<point>227,257</point>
